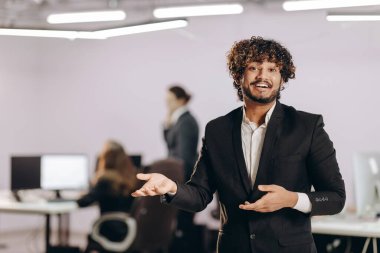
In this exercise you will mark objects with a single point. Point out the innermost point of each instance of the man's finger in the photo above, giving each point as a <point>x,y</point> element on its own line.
<point>138,193</point>
<point>144,177</point>
<point>249,206</point>
<point>150,191</point>
<point>268,188</point>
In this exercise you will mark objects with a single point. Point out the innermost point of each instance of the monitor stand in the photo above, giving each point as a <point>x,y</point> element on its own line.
<point>376,202</point>
<point>58,197</point>
<point>16,196</point>
<point>58,194</point>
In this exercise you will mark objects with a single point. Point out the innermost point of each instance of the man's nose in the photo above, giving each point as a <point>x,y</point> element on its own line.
<point>262,74</point>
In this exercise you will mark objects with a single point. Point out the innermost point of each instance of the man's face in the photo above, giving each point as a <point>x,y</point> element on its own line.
<point>261,82</point>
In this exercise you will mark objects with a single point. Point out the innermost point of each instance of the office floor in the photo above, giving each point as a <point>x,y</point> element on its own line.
<point>32,241</point>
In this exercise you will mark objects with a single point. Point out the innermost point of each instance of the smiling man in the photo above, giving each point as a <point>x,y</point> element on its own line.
<point>262,159</point>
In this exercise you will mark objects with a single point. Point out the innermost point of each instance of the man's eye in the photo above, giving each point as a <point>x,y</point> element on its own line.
<point>273,70</point>
<point>252,68</point>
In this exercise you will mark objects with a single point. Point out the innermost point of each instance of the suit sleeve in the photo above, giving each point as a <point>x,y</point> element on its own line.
<point>187,144</point>
<point>329,196</point>
<point>87,199</point>
<point>95,193</point>
<point>197,193</point>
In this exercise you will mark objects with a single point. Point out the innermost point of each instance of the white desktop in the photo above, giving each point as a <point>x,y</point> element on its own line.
<point>64,172</point>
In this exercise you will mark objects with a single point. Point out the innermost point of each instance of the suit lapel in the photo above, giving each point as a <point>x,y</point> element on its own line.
<point>238,149</point>
<point>268,150</point>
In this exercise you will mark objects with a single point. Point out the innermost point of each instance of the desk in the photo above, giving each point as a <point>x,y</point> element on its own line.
<point>348,226</point>
<point>41,208</point>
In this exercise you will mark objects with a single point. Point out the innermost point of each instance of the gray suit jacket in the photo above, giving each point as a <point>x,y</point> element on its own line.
<point>297,153</point>
<point>182,141</point>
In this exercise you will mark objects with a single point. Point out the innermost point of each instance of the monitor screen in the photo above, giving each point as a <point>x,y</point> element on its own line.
<point>136,160</point>
<point>64,172</point>
<point>25,172</point>
<point>367,183</point>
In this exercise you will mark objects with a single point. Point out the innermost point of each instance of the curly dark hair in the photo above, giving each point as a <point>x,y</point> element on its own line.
<point>257,49</point>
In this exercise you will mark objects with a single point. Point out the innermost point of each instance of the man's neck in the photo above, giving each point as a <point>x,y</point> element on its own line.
<point>255,112</point>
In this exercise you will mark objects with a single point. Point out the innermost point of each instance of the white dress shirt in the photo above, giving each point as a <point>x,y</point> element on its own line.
<point>252,137</point>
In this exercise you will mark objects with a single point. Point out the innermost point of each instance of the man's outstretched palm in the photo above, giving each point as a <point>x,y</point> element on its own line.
<point>156,184</point>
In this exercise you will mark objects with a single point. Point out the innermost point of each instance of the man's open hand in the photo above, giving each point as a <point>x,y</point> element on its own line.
<point>157,184</point>
<point>277,197</point>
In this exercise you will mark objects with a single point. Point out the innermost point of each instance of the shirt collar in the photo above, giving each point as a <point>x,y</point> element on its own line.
<point>178,113</point>
<point>267,116</point>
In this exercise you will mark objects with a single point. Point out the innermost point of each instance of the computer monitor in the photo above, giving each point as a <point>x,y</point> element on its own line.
<point>64,172</point>
<point>25,172</point>
<point>136,160</point>
<point>367,183</point>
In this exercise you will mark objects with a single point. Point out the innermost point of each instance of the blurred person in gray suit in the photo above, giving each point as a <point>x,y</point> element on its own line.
<point>181,134</point>
<point>181,131</point>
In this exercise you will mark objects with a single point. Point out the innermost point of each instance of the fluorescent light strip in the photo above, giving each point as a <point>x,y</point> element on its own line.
<point>338,17</point>
<point>101,34</point>
<point>141,28</point>
<point>80,17</point>
<point>49,34</point>
<point>326,4</point>
<point>201,10</point>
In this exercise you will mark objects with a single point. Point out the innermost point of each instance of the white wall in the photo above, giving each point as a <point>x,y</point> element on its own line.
<point>70,96</point>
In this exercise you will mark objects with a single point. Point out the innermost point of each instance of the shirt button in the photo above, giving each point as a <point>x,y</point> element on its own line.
<point>252,236</point>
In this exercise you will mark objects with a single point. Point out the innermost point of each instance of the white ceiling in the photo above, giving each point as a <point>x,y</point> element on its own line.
<point>33,13</point>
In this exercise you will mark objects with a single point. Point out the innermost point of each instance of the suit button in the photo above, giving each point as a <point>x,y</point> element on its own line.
<point>252,236</point>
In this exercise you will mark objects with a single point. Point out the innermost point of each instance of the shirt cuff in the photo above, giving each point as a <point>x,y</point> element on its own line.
<point>303,203</point>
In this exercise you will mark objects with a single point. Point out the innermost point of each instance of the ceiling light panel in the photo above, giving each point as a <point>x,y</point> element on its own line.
<point>198,10</point>
<point>352,17</point>
<point>326,4</point>
<point>81,17</point>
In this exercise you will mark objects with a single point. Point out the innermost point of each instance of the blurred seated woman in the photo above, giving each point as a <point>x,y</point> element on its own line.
<point>115,179</point>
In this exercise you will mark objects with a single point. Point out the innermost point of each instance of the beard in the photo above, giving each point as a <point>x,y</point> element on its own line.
<point>262,100</point>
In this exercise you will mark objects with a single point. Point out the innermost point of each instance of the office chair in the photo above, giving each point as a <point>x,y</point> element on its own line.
<point>156,222</point>
<point>106,243</point>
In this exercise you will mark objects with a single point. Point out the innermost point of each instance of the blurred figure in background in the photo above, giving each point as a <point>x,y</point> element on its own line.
<point>181,133</point>
<point>114,180</point>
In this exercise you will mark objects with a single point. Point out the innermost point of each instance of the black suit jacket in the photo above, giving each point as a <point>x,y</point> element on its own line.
<point>297,153</point>
<point>182,141</point>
